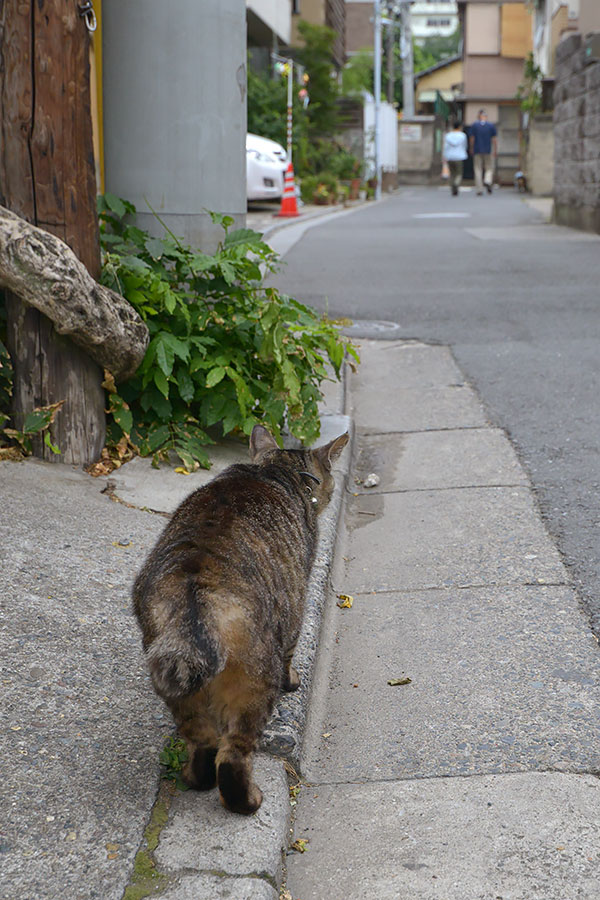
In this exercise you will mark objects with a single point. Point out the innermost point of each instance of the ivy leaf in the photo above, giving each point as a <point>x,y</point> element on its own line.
<point>115,204</point>
<point>157,437</point>
<point>121,414</point>
<point>228,271</point>
<point>215,376</point>
<point>165,358</point>
<point>243,236</point>
<point>155,248</point>
<point>161,383</point>
<point>186,385</point>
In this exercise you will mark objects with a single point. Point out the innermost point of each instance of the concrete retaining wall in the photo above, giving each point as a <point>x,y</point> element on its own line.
<point>419,150</point>
<point>576,137</point>
<point>540,155</point>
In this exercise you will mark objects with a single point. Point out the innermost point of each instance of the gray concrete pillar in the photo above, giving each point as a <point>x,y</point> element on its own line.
<point>174,86</point>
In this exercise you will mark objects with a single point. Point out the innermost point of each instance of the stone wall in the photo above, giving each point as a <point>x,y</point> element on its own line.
<point>576,137</point>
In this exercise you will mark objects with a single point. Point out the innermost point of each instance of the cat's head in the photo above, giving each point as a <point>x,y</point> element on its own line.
<point>313,466</point>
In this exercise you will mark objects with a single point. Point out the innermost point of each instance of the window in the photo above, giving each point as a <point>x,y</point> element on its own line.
<point>296,7</point>
<point>437,23</point>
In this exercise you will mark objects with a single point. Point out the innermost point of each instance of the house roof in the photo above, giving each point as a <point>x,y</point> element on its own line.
<point>441,65</point>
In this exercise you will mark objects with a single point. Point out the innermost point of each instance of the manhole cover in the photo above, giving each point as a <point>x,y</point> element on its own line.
<point>366,328</point>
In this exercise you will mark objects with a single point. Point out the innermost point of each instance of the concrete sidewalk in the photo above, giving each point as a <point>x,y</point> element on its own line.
<point>478,778</point>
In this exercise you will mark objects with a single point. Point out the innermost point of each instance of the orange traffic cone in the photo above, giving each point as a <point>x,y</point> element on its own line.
<point>289,207</point>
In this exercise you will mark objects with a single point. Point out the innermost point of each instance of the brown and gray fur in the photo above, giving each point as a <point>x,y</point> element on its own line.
<point>220,602</point>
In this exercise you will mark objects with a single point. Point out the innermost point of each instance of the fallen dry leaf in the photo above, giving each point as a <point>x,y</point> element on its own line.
<point>347,601</point>
<point>300,845</point>
<point>396,681</point>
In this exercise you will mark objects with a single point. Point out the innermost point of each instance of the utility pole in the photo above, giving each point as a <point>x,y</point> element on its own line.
<point>389,53</point>
<point>406,52</point>
<point>377,91</point>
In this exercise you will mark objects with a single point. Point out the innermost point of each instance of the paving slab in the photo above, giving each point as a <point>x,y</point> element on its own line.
<point>501,680</point>
<point>504,837</point>
<point>457,537</point>
<point>406,386</point>
<point>401,363</point>
<point>436,459</point>
<point>202,835</point>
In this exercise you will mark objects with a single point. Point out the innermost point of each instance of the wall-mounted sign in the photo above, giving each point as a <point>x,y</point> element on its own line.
<point>410,132</point>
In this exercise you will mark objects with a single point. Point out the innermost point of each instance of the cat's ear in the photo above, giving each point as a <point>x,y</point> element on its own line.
<point>260,441</point>
<point>328,454</point>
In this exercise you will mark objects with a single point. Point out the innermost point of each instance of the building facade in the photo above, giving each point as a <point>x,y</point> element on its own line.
<point>359,26</point>
<point>322,12</point>
<point>497,37</point>
<point>430,18</point>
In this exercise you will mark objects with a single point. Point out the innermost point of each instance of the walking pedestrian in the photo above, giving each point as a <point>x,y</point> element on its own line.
<point>483,145</point>
<point>455,153</point>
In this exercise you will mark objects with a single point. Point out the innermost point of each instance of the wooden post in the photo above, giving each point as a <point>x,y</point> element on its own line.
<point>47,176</point>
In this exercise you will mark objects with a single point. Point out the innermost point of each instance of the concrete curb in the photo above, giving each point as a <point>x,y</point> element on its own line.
<point>285,732</point>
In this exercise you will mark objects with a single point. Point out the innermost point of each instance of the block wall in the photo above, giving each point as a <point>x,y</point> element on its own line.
<point>576,137</point>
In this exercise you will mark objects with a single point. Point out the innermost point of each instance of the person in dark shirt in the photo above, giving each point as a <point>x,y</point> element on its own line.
<point>483,147</point>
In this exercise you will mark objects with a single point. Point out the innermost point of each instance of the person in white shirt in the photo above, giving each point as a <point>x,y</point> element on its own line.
<point>455,152</point>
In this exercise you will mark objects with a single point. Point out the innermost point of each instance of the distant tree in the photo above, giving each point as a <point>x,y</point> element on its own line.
<point>317,58</point>
<point>267,108</point>
<point>357,74</point>
<point>439,47</point>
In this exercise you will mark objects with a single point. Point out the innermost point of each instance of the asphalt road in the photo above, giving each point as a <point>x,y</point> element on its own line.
<point>516,300</point>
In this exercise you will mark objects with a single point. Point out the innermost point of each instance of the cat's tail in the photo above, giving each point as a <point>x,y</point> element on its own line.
<point>186,653</point>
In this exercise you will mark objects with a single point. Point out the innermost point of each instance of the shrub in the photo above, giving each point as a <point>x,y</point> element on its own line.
<point>225,350</point>
<point>320,189</point>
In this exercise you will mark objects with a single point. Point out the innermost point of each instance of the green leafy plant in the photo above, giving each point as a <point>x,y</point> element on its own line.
<point>226,351</point>
<point>267,105</point>
<point>172,757</point>
<point>529,92</point>
<point>316,55</point>
<point>320,189</point>
<point>36,422</point>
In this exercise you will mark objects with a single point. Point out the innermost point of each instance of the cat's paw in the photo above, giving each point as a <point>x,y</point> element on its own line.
<point>200,772</point>
<point>237,795</point>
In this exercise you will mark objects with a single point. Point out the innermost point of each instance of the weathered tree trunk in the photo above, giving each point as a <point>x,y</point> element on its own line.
<point>40,269</point>
<point>47,177</point>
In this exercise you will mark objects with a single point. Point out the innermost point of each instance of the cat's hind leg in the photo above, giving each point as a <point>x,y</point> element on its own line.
<point>245,710</point>
<point>197,728</point>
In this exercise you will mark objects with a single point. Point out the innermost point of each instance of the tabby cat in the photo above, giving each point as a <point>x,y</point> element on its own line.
<point>220,602</point>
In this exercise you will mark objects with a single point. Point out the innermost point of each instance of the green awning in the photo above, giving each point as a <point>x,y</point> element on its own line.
<point>431,96</point>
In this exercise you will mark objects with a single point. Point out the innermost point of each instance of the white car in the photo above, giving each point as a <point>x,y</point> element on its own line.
<point>266,162</point>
